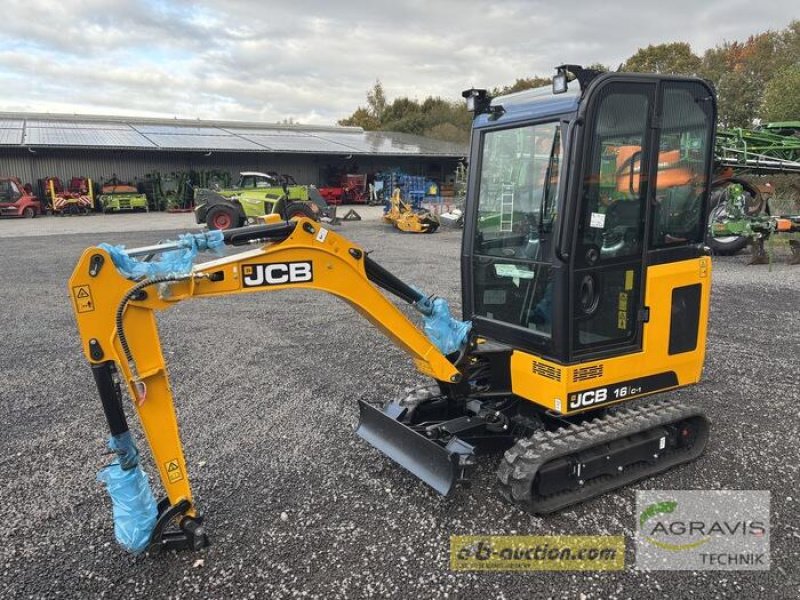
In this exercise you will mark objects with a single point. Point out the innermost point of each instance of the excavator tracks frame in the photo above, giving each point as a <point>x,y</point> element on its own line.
<point>634,443</point>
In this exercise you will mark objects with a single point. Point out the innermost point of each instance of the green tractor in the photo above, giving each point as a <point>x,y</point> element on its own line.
<point>258,194</point>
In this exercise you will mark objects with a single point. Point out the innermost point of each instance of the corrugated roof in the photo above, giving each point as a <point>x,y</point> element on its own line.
<point>74,131</point>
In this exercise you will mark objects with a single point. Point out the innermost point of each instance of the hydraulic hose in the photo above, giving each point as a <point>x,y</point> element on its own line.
<point>118,321</point>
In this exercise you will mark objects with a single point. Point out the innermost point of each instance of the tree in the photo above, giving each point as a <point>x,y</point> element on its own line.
<point>369,118</point>
<point>676,58</point>
<point>522,84</point>
<point>434,117</point>
<point>599,67</point>
<point>361,118</point>
<point>448,132</point>
<point>782,96</point>
<point>376,100</point>
<point>741,71</point>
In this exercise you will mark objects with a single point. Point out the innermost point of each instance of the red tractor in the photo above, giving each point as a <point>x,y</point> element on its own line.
<point>78,198</point>
<point>16,200</point>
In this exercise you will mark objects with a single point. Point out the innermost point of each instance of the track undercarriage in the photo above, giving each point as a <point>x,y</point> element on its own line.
<point>549,461</point>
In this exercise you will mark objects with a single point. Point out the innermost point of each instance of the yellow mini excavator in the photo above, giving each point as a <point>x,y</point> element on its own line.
<point>585,285</point>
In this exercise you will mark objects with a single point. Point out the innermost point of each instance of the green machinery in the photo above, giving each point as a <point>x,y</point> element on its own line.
<point>174,191</point>
<point>736,221</point>
<point>255,195</point>
<point>116,196</point>
<point>739,214</point>
<point>774,147</point>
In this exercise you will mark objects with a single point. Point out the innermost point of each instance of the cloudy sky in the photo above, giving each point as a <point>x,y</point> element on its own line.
<point>314,60</point>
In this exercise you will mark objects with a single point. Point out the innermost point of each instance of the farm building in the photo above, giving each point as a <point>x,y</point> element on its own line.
<point>36,146</point>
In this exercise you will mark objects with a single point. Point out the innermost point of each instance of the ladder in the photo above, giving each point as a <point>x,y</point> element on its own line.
<point>507,207</point>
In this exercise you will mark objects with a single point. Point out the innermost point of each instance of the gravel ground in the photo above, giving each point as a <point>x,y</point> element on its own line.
<point>266,388</point>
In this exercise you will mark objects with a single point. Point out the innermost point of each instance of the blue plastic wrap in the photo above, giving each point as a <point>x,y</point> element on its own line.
<point>126,451</point>
<point>174,262</point>
<point>447,333</point>
<point>134,506</point>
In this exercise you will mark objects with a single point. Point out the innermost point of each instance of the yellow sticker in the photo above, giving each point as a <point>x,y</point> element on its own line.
<point>247,270</point>
<point>622,310</point>
<point>173,469</point>
<point>537,553</point>
<point>703,267</point>
<point>629,280</point>
<point>83,298</point>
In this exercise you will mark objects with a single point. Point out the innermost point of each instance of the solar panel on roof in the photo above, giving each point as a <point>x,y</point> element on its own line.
<point>364,144</point>
<point>44,124</point>
<point>179,130</point>
<point>206,135</point>
<point>306,143</point>
<point>10,137</point>
<point>266,131</point>
<point>202,142</point>
<point>44,136</point>
<point>396,142</point>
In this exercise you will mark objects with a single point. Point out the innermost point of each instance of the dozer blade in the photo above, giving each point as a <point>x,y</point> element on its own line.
<point>555,469</point>
<point>438,466</point>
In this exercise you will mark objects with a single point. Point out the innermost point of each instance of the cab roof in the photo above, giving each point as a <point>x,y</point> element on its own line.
<point>532,104</point>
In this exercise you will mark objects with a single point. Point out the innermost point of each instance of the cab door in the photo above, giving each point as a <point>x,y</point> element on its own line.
<point>608,257</point>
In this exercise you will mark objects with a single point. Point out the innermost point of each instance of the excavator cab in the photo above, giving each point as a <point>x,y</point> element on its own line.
<point>584,232</point>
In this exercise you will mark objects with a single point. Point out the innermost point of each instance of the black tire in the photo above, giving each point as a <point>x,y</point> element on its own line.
<point>730,245</point>
<point>222,218</point>
<point>300,209</point>
<point>29,212</point>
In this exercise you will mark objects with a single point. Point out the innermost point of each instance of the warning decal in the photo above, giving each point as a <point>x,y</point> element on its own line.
<point>173,470</point>
<point>83,298</point>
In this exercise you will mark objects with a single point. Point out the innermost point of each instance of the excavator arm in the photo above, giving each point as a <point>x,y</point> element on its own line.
<point>116,318</point>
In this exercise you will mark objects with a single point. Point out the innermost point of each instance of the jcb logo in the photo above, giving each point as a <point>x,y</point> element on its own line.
<point>277,273</point>
<point>584,399</point>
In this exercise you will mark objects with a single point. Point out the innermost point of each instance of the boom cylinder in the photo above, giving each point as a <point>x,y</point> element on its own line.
<point>383,278</point>
<point>110,396</point>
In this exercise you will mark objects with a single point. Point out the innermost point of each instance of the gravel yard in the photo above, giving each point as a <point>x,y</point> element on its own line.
<point>296,505</point>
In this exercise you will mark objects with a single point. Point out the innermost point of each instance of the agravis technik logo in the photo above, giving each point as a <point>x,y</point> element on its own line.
<point>702,530</point>
<point>660,528</point>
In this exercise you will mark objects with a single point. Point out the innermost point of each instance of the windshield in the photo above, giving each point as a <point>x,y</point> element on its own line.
<point>9,192</point>
<point>517,195</point>
<point>519,181</point>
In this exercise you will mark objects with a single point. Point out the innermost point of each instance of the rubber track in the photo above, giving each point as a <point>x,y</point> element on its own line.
<point>521,462</point>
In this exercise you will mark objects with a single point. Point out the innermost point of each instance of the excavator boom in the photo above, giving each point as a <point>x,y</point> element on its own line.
<point>117,323</point>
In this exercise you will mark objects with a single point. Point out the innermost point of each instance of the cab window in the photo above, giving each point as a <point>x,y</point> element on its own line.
<point>680,179</point>
<point>517,195</point>
<point>611,222</point>
<point>608,254</point>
